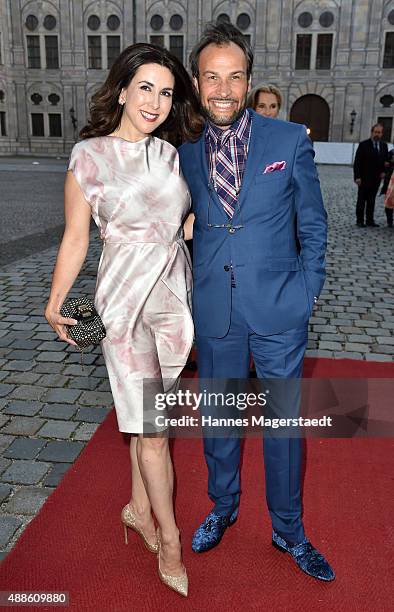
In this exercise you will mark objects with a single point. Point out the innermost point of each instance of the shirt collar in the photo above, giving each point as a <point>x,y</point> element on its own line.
<point>240,127</point>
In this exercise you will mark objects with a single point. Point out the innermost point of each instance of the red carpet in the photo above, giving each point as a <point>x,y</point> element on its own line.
<point>76,543</point>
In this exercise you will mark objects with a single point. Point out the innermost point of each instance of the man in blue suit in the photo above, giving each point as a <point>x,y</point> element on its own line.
<point>259,242</point>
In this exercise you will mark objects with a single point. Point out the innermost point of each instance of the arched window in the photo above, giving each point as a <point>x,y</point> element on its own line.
<point>167,29</point>
<point>3,127</point>
<point>102,43</point>
<point>314,48</point>
<point>42,38</point>
<point>388,52</point>
<point>45,121</point>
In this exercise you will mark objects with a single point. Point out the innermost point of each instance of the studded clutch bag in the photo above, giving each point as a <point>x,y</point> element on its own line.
<point>90,329</point>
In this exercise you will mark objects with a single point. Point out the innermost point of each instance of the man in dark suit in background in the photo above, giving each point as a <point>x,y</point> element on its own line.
<point>369,169</point>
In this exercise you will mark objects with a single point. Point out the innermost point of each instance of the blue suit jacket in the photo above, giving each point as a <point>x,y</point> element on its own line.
<point>278,256</point>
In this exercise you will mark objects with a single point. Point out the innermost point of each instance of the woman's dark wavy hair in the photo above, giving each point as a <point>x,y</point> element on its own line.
<point>184,121</point>
<point>220,34</point>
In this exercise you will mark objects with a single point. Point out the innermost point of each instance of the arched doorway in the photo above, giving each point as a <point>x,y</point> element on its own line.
<point>314,112</point>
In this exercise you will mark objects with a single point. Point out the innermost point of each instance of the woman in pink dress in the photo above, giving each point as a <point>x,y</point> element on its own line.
<point>129,180</point>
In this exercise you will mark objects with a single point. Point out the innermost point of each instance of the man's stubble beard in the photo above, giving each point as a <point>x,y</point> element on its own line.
<point>220,121</point>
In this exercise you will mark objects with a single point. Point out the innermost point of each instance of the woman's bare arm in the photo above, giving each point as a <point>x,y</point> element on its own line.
<point>71,255</point>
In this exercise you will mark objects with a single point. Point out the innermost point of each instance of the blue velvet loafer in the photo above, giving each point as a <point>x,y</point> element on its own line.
<point>307,558</point>
<point>210,532</point>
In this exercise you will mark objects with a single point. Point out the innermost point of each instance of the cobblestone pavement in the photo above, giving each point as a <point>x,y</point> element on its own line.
<point>32,217</point>
<point>355,314</point>
<point>23,203</point>
<point>50,407</point>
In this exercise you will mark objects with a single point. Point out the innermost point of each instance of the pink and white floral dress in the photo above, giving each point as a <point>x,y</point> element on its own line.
<point>139,201</point>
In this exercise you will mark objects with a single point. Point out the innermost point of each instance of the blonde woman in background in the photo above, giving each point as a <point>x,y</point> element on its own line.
<point>266,100</point>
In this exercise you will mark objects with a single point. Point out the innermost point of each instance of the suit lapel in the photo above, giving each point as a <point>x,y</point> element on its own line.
<point>258,142</point>
<point>202,165</point>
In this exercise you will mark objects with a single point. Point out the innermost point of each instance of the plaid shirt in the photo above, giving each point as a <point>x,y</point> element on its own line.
<point>236,139</point>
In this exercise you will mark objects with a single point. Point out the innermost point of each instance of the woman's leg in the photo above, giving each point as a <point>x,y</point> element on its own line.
<point>139,502</point>
<point>172,336</point>
<point>158,476</point>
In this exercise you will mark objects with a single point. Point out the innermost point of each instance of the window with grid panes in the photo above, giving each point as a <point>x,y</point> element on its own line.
<point>3,131</point>
<point>113,49</point>
<point>33,51</point>
<point>157,39</point>
<point>37,124</point>
<point>51,52</point>
<point>387,123</point>
<point>55,125</point>
<point>303,51</point>
<point>94,52</point>
<point>176,47</point>
<point>388,58</point>
<point>323,51</point>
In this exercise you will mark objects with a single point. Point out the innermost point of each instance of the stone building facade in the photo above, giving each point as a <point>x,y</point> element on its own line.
<point>332,59</point>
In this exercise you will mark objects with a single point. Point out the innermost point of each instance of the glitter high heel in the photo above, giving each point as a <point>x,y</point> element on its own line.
<point>129,520</point>
<point>179,584</point>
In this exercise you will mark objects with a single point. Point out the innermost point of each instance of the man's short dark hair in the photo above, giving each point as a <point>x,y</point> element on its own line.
<point>221,34</point>
<point>377,125</point>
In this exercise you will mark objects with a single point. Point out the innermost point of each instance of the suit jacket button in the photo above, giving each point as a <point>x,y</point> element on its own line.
<point>227,268</point>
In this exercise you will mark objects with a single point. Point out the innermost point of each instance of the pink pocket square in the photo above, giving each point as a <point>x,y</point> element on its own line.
<point>278,165</point>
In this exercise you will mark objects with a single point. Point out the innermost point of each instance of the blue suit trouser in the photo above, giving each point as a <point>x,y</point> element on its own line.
<point>276,356</point>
